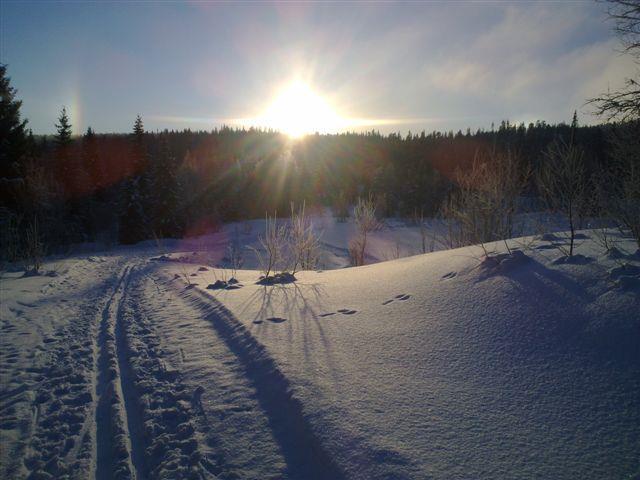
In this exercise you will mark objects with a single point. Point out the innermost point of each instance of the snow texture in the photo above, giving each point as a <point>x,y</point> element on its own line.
<point>467,363</point>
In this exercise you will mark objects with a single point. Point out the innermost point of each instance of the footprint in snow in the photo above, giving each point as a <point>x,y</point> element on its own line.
<point>401,297</point>
<point>272,320</point>
<point>276,319</point>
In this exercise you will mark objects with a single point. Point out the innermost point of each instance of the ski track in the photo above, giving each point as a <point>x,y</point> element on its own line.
<point>238,394</point>
<point>54,402</point>
<point>149,379</point>
<point>112,448</point>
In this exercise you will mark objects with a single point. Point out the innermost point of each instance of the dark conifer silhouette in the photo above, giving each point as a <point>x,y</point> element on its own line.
<point>63,129</point>
<point>138,128</point>
<point>133,219</point>
<point>13,134</point>
<point>164,199</point>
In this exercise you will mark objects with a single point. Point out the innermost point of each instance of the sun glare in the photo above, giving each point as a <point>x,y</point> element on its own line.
<point>298,111</point>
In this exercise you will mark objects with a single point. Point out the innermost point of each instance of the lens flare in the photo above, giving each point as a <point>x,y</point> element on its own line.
<point>298,111</point>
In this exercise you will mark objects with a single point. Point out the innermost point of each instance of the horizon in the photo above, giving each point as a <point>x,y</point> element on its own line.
<point>247,65</point>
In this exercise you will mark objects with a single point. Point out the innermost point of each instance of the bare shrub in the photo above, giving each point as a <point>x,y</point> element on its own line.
<point>619,188</point>
<point>364,214</point>
<point>562,183</point>
<point>356,251</point>
<point>427,239</point>
<point>303,242</point>
<point>603,236</point>
<point>34,248</point>
<point>272,242</point>
<point>482,209</point>
<point>234,254</point>
<point>394,252</point>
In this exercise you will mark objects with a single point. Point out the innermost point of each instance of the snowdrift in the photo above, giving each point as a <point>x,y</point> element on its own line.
<point>445,365</point>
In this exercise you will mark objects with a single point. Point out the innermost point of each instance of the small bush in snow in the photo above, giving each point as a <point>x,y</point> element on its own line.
<point>34,247</point>
<point>619,187</point>
<point>234,254</point>
<point>273,243</point>
<point>427,239</point>
<point>364,214</point>
<point>562,183</point>
<point>303,242</point>
<point>483,207</point>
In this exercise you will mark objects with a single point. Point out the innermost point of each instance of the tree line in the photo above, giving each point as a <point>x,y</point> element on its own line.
<point>124,188</point>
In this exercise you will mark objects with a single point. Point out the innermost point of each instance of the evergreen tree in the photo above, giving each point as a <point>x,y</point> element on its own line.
<point>574,127</point>
<point>90,160</point>
<point>13,136</point>
<point>69,166</point>
<point>133,218</point>
<point>138,128</point>
<point>164,193</point>
<point>63,128</point>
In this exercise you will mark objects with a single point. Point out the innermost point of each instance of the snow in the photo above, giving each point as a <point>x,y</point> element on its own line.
<point>454,364</point>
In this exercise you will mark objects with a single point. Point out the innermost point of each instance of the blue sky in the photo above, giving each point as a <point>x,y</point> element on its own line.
<point>415,65</point>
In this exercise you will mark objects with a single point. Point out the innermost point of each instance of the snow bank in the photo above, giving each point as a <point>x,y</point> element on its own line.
<point>465,363</point>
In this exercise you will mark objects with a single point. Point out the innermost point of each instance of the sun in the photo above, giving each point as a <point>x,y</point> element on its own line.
<point>297,111</point>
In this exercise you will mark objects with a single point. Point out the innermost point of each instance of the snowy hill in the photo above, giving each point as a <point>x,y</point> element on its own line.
<point>444,365</point>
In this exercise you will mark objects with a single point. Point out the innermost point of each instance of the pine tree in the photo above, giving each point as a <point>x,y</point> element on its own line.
<point>138,127</point>
<point>63,128</point>
<point>13,136</point>
<point>574,126</point>
<point>69,166</point>
<point>133,218</point>
<point>90,162</point>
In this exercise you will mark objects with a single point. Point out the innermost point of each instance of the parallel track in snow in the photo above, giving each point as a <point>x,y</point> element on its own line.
<point>114,448</point>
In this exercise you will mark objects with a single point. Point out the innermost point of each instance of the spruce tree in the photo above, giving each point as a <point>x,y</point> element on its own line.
<point>133,218</point>
<point>69,167</point>
<point>90,159</point>
<point>13,135</point>
<point>63,128</point>
<point>574,127</point>
<point>138,127</point>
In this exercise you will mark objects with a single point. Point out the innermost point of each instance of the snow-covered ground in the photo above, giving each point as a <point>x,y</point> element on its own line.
<point>447,365</point>
<point>395,238</point>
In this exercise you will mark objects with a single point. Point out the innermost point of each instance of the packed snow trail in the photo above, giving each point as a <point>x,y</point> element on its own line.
<point>114,449</point>
<point>250,424</point>
<point>51,392</point>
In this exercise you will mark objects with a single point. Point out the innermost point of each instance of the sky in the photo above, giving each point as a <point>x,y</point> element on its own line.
<point>396,67</point>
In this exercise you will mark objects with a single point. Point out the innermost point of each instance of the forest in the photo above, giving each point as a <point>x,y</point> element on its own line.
<point>124,188</point>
